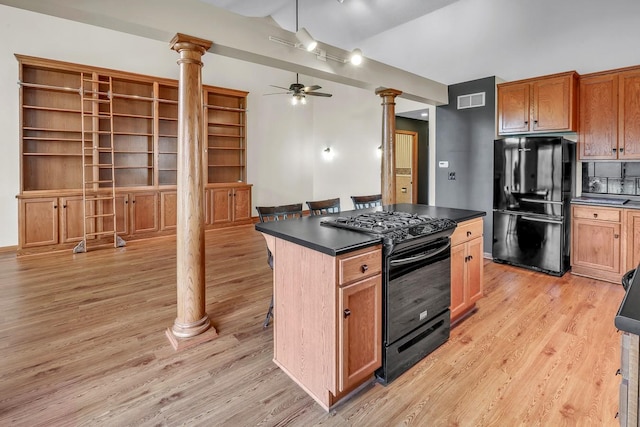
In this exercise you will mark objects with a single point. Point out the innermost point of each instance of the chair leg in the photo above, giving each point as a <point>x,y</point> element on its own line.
<point>269,315</point>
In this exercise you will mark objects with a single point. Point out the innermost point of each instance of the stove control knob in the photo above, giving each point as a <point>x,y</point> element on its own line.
<point>347,313</point>
<point>364,268</point>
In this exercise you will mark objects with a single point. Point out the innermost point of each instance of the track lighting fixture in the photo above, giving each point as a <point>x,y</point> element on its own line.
<point>306,40</point>
<point>356,56</point>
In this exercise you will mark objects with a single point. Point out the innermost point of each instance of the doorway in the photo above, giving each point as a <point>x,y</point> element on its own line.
<point>406,143</point>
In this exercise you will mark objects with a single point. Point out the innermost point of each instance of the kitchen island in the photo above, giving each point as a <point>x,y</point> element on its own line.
<point>328,297</point>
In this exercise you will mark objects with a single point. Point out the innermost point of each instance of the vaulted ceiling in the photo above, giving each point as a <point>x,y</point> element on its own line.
<point>452,41</point>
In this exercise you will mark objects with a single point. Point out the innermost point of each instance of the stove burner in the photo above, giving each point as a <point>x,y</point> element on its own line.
<point>394,227</point>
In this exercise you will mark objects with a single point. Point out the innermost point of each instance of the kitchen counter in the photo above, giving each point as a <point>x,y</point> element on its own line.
<point>309,232</point>
<point>628,317</point>
<point>613,202</point>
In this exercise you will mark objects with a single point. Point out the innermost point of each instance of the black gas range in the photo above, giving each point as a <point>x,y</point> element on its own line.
<point>416,283</point>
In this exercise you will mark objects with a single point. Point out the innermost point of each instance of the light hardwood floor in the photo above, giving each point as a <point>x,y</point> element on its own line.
<point>82,343</point>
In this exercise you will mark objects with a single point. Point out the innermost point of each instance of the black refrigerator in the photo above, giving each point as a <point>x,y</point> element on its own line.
<point>533,183</point>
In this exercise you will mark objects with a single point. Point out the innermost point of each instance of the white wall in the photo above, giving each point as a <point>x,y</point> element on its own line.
<point>285,162</point>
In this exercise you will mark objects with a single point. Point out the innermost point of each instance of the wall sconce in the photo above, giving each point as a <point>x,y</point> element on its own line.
<point>306,40</point>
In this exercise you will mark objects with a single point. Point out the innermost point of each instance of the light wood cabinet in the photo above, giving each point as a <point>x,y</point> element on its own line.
<point>632,227</point>
<point>138,116</point>
<point>596,242</point>
<point>609,111</point>
<point>544,104</point>
<point>327,317</point>
<point>226,205</point>
<point>466,268</point>
<point>628,399</point>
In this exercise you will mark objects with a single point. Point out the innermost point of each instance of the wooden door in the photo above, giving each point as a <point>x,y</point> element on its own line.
<point>629,115</point>
<point>360,331</point>
<point>242,204</point>
<point>552,109</point>
<point>39,225</point>
<point>72,219</point>
<point>598,136</point>
<point>458,279</point>
<point>596,244</point>
<point>168,210</point>
<point>144,212</point>
<point>475,267</point>
<point>513,108</point>
<point>406,143</point>
<point>220,199</point>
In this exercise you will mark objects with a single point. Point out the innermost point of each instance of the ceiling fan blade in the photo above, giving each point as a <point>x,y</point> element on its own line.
<point>280,87</point>
<point>314,87</point>
<point>319,94</point>
<point>276,93</point>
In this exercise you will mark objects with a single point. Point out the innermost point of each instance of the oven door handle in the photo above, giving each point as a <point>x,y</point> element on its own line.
<point>420,257</point>
<point>545,220</point>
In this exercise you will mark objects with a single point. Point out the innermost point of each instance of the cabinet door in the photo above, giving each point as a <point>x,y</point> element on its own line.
<point>633,239</point>
<point>72,219</point>
<point>39,225</point>
<point>458,278</point>
<point>513,108</point>
<point>596,244</point>
<point>242,204</point>
<point>553,105</point>
<point>474,270</point>
<point>360,333</point>
<point>168,207</point>
<point>220,205</point>
<point>122,215</point>
<point>144,212</point>
<point>629,116</point>
<point>598,136</point>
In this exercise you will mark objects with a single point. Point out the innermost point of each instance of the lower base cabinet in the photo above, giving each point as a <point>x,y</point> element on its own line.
<point>629,382</point>
<point>466,267</point>
<point>57,223</point>
<point>327,318</point>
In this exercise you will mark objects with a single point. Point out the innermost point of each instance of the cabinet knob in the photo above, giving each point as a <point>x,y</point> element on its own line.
<point>595,215</point>
<point>615,236</point>
<point>364,268</point>
<point>468,234</point>
<point>618,372</point>
<point>470,257</point>
<point>614,150</point>
<point>620,150</point>
<point>347,313</point>
<point>64,206</point>
<point>535,122</point>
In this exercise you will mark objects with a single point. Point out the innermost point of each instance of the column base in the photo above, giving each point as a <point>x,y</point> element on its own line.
<point>180,344</point>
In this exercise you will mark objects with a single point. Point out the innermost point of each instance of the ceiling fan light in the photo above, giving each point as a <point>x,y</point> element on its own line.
<point>303,100</point>
<point>294,100</point>
<point>306,40</point>
<point>356,56</point>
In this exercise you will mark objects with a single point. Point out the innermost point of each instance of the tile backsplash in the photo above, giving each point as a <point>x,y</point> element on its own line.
<point>611,177</point>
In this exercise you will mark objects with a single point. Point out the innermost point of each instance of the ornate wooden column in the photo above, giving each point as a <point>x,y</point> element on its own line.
<point>192,320</point>
<point>388,176</point>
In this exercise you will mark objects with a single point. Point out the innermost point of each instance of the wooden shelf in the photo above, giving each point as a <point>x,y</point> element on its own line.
<point>226,136</point>
<point>225,148</point>
<point>53,154</point>
<point>216,124</point>
<point>60,110</point>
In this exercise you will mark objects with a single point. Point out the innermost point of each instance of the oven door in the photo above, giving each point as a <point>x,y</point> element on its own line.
<point>418,287</point>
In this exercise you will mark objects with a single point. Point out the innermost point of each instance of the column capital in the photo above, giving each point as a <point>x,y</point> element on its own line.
<point>384,92</point>
<point>183,41</point>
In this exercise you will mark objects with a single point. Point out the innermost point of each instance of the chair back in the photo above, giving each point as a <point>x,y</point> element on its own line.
<point>361,202</point>
<point>279,213</point>
<point>324,207</point>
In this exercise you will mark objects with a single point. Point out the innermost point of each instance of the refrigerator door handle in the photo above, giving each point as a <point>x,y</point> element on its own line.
<point>545,220</point>
<point>524,199</point>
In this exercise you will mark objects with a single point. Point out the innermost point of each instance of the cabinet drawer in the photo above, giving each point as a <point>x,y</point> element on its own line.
<point>601,214</point>
<point>466,231</point>
<point>358,265</point>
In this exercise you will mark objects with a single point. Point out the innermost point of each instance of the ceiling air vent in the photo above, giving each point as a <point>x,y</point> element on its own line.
<point>472,100</point>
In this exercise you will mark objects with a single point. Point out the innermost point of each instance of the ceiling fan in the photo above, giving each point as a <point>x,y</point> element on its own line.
<point>299,91</point>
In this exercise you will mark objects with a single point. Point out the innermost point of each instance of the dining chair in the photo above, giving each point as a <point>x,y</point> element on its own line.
<point>276,213</point>
<point>324,207</point>
<point>361,202</point>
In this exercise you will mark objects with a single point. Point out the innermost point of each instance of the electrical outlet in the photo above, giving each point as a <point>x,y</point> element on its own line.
<point>452,176</point>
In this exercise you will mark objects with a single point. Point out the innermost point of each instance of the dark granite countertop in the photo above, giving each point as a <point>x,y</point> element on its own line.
<point>308,231</point>
<point>628,317</point>
<point>607,200</point>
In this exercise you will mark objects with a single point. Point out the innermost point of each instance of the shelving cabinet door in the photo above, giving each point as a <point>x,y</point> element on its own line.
<point>122,215</point>
<point>513,108</point>
<point>629,116</point>
<point>633,239</point>
<point>598,136</point>
<point>168,208</point>
<point>596,245</point>
<point>144,212</point>
<point>220,199</point>
<point>242,204</point>
<point>360,331</point>
<point>39,225</point>
<point>458,280</point>
<point>72,219</point>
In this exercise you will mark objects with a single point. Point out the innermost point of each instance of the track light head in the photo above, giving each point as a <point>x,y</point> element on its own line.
<point>306,40</point>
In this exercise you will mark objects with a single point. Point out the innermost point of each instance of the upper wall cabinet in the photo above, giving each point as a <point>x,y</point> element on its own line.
<point>544,104</point>
<point>610,115</point>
